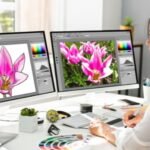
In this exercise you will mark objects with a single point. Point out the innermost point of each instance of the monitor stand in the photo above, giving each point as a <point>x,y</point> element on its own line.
<point>94,99</point>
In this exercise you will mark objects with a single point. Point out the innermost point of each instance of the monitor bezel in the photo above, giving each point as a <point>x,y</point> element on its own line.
<point>92,88</point>
<point>25,98</point>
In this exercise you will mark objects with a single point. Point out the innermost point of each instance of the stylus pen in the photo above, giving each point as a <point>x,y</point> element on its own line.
<point>112,109</point>
<point>137,112</point>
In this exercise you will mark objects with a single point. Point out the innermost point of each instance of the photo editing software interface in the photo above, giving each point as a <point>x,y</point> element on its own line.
<point>24,66</point>
<point>93,59</point>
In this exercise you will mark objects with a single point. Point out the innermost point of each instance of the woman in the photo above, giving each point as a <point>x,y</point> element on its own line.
<point>135,137</point>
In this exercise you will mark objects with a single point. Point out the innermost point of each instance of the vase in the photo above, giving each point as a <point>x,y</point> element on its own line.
<point>28,123</point>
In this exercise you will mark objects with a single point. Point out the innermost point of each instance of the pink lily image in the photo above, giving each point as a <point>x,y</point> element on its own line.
<point>102,50</point>
<point>11,75</point>
<point>97,69</point>
<point>88,47</point>
<point>72,54</point>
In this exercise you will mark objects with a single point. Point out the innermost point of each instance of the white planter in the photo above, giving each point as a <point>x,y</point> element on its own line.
<point>28,123</point>
<point>146,93</point>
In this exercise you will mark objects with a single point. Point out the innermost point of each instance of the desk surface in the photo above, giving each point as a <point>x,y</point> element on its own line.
<point>30,141</point>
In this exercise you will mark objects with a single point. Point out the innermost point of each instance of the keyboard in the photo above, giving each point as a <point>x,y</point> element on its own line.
<point>83,120</point>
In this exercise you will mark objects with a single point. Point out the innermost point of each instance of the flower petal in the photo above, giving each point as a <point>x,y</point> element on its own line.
<point>88,47</point>
<point>64,52</point>
<point>103,51</point>
<point>19,78</point>
<point>90,78</point>
<point>107,61</point>
<point>64,49</point>
<point>96,61</point>
<point>83,59</point>
<point>4,91</point>
<point>1,82</point>
<point>73,59</point>
<point>6,66</point>
<point>63,45</point>
<point>73,50</point>
<point>12,77</point>
<point>86,70</point>
<point>106,72</point>
<point>19,63</point>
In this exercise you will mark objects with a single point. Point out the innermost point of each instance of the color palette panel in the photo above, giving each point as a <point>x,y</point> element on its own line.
<point>38,50</point>
<point>125,46</point>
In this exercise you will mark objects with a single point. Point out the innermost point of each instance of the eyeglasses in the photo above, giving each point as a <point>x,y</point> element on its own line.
<point>53,130</point>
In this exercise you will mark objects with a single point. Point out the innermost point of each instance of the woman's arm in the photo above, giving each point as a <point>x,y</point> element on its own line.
<point>103,130</point>
<point>109,134</point>
<point>128,138</point>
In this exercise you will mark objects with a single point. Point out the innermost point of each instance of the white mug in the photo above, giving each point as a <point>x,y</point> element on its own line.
<point>146,93</point>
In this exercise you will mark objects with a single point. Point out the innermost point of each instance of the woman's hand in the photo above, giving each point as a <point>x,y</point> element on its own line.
<point>96,128</point>
<point>130,120</point>
<point>99,128</point>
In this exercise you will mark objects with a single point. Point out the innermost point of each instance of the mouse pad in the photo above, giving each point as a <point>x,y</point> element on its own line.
<point>62,142</point>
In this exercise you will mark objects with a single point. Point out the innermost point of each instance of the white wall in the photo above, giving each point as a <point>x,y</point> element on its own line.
<point>112,13</point>
<point>57,14</point>
<point>140,12</point>
<point>83,14</point>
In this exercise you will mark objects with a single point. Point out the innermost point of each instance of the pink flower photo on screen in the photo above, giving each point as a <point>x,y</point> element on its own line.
<point>72,54</point>
<point>87,63</point>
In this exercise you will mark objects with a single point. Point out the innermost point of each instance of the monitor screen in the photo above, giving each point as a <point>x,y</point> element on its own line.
<point>24,65</point>
<point>93,59</point>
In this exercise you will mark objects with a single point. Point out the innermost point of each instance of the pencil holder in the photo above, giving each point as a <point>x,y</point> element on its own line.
<point>146,93</point>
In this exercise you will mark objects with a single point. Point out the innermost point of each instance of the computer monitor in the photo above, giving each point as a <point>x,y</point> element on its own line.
<point>24,67</point>
<point>93,61</point>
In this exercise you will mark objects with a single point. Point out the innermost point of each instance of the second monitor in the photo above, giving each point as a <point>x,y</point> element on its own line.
<point>93,59</point>
<point>24,66</point>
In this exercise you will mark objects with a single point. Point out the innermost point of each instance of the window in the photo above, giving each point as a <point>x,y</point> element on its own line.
<point>7,15</point>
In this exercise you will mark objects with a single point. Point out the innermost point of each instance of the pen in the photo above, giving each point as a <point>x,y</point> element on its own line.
<point>137,112</point>
<point>107,107</point>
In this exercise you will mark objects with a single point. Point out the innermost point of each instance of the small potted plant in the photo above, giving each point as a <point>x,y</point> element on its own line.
<point>127,25</point>
<point>28,120</point>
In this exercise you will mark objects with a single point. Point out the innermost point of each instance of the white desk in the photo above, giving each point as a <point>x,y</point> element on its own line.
<point>27,141</point>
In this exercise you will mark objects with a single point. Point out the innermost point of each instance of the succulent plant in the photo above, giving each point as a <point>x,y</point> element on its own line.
<point>128,21</point>
<point>28,112</point>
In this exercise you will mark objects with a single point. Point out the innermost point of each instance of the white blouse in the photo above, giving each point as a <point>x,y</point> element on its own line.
<point>137,138</point>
